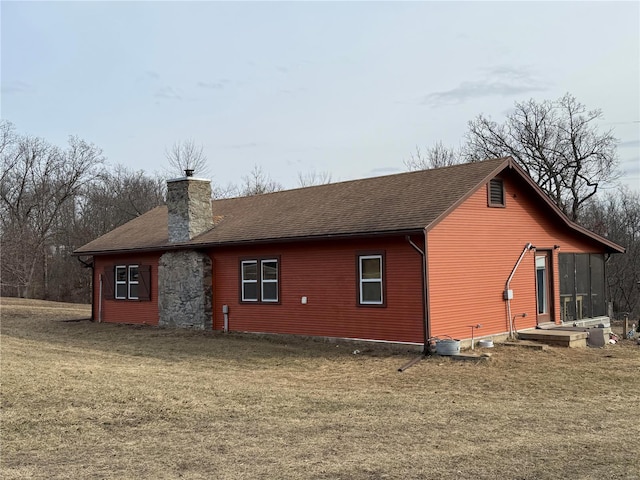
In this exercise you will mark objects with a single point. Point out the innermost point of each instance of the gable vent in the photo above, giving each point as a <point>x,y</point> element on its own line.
<point>496,193</point>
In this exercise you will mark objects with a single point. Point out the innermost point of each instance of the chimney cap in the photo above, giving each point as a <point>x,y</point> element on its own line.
<point>188,172</point>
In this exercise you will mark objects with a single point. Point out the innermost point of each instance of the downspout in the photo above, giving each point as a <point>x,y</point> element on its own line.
<point>508,293</point>
<point>91,266</point>
<point>99,302</point>
<point>425,325</point>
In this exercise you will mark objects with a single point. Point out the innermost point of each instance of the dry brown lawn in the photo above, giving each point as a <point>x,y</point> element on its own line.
<point>87,400</point>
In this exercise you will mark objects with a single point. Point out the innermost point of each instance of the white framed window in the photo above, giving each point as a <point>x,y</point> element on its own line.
<point>127,282</point>
<point>121,282</point>
<point>259,280</point>
<point>370,279</point>
<point>269,280</point>
<point>249,280</point>
<point>134,280</point>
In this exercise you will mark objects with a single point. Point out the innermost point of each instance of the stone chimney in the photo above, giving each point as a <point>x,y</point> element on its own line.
<point>189,204</point>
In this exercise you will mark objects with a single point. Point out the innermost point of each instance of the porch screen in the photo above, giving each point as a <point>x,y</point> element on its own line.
<point>581,286</point>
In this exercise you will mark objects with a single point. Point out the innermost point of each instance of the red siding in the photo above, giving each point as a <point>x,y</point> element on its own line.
<point>325,272</point>
<point>470,256</point>
<point>127,311</point>
<point>472,252</point>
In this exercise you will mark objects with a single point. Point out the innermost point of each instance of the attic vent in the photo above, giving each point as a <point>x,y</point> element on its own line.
<point>496,193</point>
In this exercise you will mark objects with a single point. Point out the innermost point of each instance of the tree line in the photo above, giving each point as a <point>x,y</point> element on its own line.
<point>54,199</point>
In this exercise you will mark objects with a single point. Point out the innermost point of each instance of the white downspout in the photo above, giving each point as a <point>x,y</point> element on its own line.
<point>508,293</point>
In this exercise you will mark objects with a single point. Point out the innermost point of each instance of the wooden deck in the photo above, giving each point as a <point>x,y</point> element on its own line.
<point>559,338</point>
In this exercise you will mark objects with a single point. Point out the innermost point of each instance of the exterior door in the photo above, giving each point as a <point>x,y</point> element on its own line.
<point>543,286</point>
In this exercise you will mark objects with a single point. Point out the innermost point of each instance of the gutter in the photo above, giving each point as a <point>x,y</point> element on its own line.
<point>195,245</point>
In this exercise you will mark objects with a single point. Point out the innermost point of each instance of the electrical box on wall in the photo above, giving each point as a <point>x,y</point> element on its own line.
<point>304,300</point>
<point>508,294</point>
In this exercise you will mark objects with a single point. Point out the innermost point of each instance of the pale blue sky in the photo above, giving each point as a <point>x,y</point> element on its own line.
<point>347,88</point>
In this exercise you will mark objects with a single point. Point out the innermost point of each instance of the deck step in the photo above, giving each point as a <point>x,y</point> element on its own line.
<point>560,338</point>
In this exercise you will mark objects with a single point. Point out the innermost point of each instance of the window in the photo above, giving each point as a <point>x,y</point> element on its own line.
<point>581,286</point>
<point>269,280</point>
<point>541,284</point>
<point>370,280</point>
<point>495,193</point>
<point>121,282</point>
<point>250,281</point>
<point>127,282</point>
<point>259,280</point>
<point>133,282</point>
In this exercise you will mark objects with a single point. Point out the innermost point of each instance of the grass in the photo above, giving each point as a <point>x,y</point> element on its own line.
<point>88,400</point>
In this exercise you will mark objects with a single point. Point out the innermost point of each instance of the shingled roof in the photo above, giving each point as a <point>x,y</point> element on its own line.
<point>405,202</point>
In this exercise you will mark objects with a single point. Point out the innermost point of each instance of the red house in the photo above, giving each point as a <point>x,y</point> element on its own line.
<point>398,258</point>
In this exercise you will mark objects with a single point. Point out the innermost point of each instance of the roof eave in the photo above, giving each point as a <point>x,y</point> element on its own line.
<point>204,245</point>
<point>613,247</point>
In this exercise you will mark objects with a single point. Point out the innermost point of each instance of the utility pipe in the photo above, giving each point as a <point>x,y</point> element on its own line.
<point>523,315</point>
<point>225,313</point>
<point>99,301</point>
<point>473,328</point>
<point>508,293</point>
<point>425,320</point>
<point>410,363</point>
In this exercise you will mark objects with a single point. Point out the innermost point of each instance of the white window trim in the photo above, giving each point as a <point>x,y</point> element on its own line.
<point>371,280</point>
<point>119,282</point>
<point>242,264</point>
<point>263,281</point>
<point>132,282</point>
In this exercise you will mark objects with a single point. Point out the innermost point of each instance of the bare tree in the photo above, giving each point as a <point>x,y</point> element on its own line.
<point>257,183</point>
<point>7,135</point>
<point>558,144</point>
<point>116,196</point>
<point>435,156</point>
<point>228,191</point>
<point>186,155</point>
<point>39,181</point>
<point>617,216</point>
<point>313,178</point>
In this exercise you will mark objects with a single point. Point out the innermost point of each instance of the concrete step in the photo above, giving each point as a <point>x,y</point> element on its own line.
<point>560,338</point>
<point>527,344</point>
